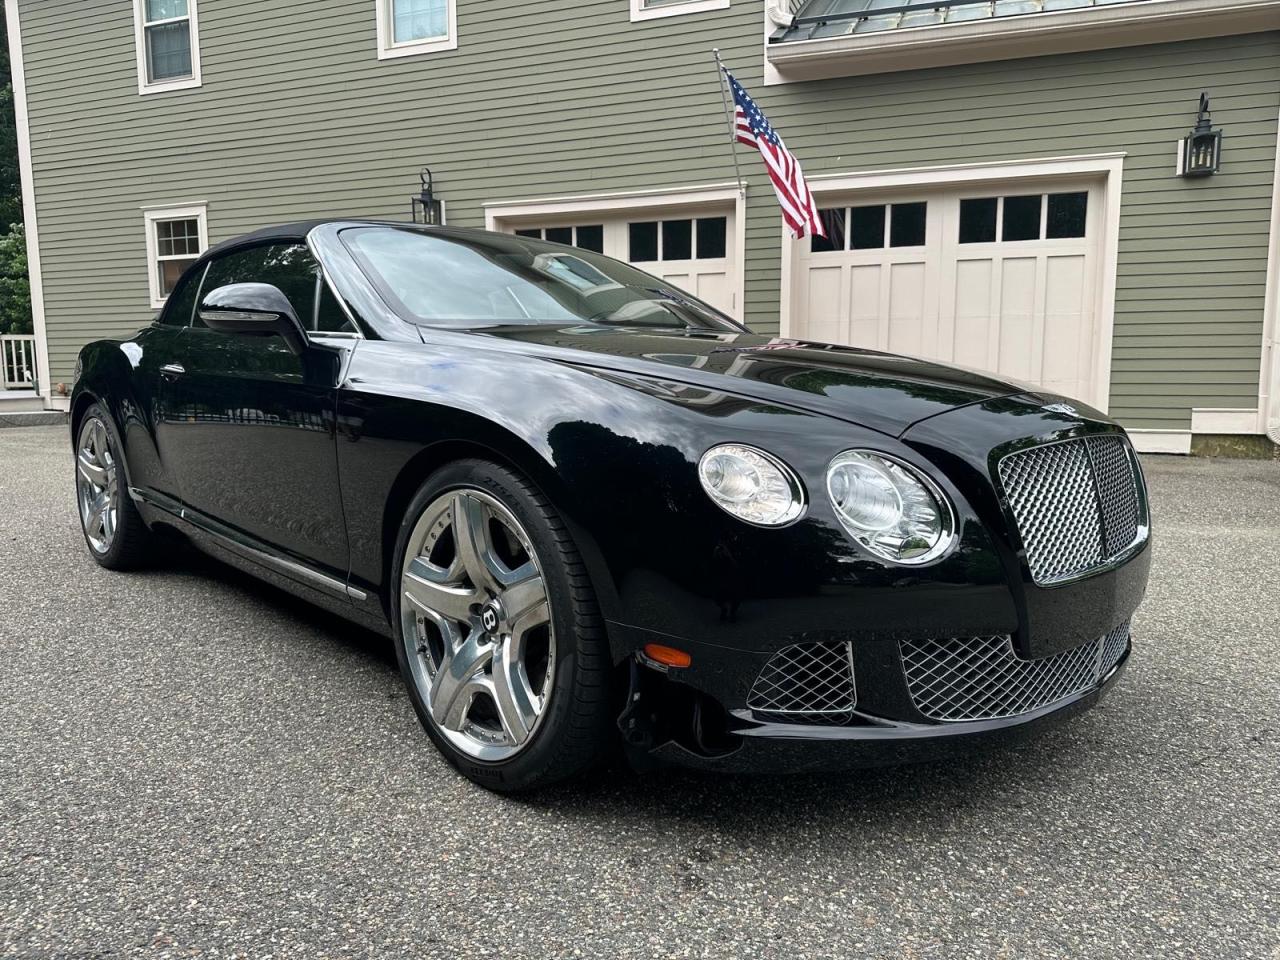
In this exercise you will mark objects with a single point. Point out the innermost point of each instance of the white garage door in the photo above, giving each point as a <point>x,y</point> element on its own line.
<point>692,249</point>
<point>997,280</point>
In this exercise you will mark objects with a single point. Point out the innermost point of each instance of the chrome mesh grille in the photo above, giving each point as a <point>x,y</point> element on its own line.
<point>1075,503</point>
<point>1114,644</point>
<point>1117,492</point>
<point>806,683</point>
<point>983,678</point>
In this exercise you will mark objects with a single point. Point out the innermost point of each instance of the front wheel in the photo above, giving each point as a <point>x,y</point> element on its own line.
<point>499,637</point>
<point>114,531</point>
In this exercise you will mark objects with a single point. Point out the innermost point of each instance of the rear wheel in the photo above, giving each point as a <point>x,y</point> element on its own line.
<point>114,531</point>
<point>499,638</point>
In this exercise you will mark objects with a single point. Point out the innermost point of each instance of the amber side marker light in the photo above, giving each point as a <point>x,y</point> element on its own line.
<point>667,656</point>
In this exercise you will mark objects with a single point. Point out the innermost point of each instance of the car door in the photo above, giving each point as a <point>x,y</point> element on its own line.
<point>251,424</point>
<point>144,422</point>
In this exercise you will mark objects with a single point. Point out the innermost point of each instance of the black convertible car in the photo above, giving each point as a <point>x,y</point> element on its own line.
<point>589,508</point>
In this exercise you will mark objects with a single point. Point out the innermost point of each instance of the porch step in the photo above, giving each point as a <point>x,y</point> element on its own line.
<point>26,411</point>
<point>20,401</point>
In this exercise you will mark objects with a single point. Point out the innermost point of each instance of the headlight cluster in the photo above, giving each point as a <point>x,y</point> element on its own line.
<point>751,484</point>
<point>887,506</point>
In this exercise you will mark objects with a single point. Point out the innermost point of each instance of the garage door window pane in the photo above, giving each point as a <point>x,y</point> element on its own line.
<point>677,240</point>
<point>533,233</point>
<point>833,223</point>
<point>711,237</point>
<point>643,239</point>
<point>559,235</point>
<point>906,226</point>
<point>591,238</point>
<point>866,228</point>
<point>1067,214</point>
<point>1021,218</point>
<point>978,220</point>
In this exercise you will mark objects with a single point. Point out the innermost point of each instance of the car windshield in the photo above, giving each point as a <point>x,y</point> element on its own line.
<point>444,279</point>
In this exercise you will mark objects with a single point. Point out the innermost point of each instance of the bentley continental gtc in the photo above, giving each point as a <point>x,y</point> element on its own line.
<point>595,514</point>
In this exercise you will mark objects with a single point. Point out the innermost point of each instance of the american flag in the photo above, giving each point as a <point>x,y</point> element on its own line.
<point>753,128</point>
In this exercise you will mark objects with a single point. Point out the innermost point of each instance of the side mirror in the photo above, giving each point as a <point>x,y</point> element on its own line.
<point>253,309</point>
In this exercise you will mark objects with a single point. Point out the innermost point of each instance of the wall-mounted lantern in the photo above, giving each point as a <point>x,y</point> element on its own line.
<point>426,207</point>
<point>1202,147</point>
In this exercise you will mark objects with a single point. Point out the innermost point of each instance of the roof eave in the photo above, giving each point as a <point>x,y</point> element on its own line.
<point>1029,35</point>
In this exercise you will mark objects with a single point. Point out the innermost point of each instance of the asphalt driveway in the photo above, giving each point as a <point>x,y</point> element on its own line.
<point>195,765</point>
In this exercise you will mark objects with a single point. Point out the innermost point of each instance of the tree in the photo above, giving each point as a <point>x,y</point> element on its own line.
<point>10,186</point>
<point>15,289</point>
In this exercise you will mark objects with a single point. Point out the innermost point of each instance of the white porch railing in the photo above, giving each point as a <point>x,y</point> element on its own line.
<point>17,362</point>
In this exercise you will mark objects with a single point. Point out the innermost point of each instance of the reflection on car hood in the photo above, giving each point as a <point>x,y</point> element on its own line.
<point>878,390</point>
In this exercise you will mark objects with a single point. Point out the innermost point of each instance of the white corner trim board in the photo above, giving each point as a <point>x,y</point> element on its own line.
<point>1161,441</point>
<point>27,177</point>
<point>1269,379</point>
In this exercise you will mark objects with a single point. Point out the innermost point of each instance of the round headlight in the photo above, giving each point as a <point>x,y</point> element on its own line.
<point>890,508</point>
<point>752,485</point>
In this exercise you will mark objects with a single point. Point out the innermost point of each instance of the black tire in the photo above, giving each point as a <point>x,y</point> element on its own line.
<point>130,546</point>
<point>575,732</point>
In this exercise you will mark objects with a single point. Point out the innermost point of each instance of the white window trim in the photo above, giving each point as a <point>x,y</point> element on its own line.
<point>389,50</point>
<point>1003,38</point>
<point>1108,166</point>
<point>639,12</point>
<point>198,211</point>
<point>502,215</point>
<point>146,86</point>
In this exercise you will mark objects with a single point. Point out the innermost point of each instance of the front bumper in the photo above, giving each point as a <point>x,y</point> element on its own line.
<point>700,716</point>
<point>791,748</point>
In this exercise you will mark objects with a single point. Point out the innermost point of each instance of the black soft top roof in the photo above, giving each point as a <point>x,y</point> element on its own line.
<point>297,232</point>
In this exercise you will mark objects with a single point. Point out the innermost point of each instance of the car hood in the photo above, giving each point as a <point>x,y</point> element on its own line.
<point>882,391</point>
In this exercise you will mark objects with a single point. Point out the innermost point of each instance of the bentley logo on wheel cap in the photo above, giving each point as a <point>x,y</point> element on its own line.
<point>489,618</point>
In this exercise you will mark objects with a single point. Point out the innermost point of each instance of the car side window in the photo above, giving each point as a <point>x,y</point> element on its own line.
<point>181,304</point>
<point>330,317</point>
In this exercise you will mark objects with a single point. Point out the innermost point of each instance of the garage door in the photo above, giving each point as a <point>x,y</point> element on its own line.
<point>692,249</point>
<point>996,280</point>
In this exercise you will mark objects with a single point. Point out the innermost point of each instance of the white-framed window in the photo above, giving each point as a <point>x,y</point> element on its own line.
<point>652,9</point>
<point>410,27</point>
<point>176,236</point>
<point>167,38</point>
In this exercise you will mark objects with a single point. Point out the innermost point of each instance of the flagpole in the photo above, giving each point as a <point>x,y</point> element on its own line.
<point>728,119</point>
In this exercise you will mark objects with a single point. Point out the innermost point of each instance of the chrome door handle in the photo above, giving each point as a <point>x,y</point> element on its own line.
<point>172,370</point>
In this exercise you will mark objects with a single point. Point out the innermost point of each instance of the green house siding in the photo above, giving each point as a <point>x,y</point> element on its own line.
<point>297,117</point>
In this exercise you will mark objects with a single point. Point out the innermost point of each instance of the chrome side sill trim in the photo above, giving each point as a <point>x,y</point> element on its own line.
<point>240,544</point>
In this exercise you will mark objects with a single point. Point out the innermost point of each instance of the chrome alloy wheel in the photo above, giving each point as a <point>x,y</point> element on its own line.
<point>97,485</point>
<point>476,624</point>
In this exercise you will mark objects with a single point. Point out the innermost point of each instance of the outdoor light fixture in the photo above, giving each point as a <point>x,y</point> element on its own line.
<point>425,208</point>
<point>1202,148</point>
